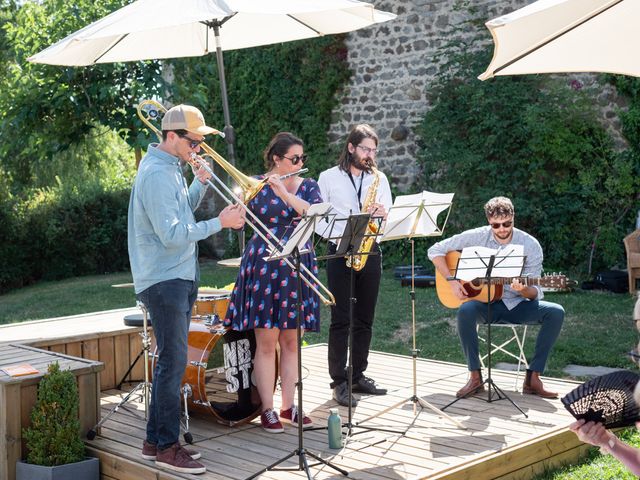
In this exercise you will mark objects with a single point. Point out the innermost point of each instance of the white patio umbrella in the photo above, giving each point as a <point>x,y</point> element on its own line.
<point>157,29</point>
<point>552,36</point>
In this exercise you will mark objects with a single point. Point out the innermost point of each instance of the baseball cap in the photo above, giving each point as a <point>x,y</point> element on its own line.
<point>186,117</point>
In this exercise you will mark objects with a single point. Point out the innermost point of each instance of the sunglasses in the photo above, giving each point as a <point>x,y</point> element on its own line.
<point>192,143</point>
<point>296,159</point>
<point>506,224</point>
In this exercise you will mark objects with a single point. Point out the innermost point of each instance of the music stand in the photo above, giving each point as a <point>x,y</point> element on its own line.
<point>479,263</point>
<point>292,248</point>
<point>349,243</point>
<point>414,216</point>
<point>144,386</point>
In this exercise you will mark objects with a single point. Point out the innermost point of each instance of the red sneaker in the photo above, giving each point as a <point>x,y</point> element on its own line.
<point>270,421</point>
<point>291,416</point>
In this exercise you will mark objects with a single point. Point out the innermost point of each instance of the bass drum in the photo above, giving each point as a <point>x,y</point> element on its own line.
<point>218,378</point>
<point>220,373</point>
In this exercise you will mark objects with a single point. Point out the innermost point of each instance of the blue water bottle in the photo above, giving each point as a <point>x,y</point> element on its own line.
<point>334,427</point>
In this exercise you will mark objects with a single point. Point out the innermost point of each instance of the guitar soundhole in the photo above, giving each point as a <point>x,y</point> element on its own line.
<point>472,289</point>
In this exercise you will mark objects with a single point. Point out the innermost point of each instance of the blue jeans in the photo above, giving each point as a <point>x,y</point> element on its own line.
<point>534,312</point>
<point>169,304</point>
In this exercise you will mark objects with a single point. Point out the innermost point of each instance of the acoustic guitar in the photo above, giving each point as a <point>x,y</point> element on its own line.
<point>478,289</point>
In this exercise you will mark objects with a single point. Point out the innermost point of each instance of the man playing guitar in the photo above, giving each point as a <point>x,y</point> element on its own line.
<point>520,303</point>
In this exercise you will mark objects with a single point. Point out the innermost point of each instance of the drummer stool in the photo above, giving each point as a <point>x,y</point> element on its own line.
<point>134,320</point>
<point>515,340</point>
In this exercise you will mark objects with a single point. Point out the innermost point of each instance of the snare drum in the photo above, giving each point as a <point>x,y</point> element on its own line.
<point>211,304</point>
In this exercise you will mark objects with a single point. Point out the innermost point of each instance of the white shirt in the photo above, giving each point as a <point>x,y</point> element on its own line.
<point>336,188</point>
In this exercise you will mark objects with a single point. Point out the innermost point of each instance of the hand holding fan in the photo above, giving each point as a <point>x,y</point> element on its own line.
<point>607,399</point>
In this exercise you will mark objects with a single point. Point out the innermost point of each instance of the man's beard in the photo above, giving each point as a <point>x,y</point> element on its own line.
<point>362,163</point>
<point>505,237</point>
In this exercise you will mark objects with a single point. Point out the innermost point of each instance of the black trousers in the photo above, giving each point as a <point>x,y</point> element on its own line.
<point>366,285</point>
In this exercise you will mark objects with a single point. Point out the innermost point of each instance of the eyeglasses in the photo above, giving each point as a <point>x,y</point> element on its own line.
<point>192,143</point>
<point>367,150</point>
<point>296,159</point>
<point>506,224</point>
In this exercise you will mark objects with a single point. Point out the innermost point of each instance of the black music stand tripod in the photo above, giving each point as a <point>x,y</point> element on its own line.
<point>348,247</point>
<point>144,387</point>
<point>416,216</point>
<point>299,237</point>
<point>490,263</point>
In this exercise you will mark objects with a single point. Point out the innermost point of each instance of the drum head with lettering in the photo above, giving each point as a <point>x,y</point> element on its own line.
<point>230,389</point>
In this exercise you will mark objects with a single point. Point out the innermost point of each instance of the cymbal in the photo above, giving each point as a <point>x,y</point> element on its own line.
<point>230,262</point>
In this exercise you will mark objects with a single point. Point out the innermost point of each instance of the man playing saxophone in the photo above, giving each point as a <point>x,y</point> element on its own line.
<point>354,185</point>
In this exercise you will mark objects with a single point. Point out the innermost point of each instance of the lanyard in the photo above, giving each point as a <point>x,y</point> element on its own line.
<point>357,189</point>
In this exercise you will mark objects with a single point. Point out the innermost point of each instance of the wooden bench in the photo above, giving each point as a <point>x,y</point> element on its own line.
<point>101,336</point>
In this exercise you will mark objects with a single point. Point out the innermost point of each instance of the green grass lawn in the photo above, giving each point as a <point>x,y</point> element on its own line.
<point>598,329</point>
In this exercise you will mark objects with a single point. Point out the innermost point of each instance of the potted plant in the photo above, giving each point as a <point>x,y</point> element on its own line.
<point>55,450</point>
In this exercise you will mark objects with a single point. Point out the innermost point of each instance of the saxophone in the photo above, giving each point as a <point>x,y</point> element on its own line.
<point>372,228</point>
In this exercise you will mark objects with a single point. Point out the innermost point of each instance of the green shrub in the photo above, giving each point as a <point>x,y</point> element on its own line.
<point>62,232</point>
<point>54,435</point>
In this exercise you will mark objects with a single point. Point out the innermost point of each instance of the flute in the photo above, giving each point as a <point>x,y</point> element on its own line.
<point>299,172</point>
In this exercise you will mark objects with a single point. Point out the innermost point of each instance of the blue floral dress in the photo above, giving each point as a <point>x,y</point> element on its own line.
<point>266,293</point>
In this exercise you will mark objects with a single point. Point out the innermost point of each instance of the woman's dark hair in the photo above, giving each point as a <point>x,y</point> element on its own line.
<point>279,146</point>
<point>357,134</point>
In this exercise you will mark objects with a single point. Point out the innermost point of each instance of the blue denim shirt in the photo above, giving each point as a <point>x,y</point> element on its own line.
<point>483,237</point>
<point>162,230</point>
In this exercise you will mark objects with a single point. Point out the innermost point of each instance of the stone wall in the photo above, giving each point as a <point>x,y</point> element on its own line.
<point>393,64</point>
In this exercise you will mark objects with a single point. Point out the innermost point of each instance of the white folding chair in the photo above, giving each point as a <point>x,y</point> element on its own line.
<point>516,341</point>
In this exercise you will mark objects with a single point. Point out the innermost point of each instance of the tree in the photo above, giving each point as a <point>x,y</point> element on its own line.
<point>45,109</point>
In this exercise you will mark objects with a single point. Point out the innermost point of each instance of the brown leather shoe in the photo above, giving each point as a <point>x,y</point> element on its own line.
<point>533,386</point>
<point>177,459</point>
<point>473,386</point>
<point>150,451</point>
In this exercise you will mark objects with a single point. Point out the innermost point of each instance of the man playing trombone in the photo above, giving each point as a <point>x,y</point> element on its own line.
<point>162,238</point>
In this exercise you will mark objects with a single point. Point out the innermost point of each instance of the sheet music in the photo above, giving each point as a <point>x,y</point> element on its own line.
<point>426,206</point>
<point>473,262</point>
<point>302,231</point>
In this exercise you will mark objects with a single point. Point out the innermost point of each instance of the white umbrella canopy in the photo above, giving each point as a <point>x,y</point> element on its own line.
<point>156,29</point>
<point>553,36</point>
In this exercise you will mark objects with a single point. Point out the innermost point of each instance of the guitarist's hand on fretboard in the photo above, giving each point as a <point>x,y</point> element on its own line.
<point>524,290</point>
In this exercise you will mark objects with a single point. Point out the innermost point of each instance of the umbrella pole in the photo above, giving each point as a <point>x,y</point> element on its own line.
<point>228,128</point>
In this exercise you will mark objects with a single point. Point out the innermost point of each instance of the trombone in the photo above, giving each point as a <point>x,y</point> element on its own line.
<point>150,110</point>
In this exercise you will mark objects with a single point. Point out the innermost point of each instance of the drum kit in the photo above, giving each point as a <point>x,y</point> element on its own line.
<point>218,380</point>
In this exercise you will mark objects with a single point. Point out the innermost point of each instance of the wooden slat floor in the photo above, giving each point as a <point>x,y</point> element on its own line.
<point>427,445</point>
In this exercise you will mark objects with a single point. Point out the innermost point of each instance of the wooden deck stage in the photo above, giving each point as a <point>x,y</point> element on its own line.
<point>499,442</point>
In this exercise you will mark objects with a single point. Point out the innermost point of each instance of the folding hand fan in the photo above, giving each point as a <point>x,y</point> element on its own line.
<point>607,399</point>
